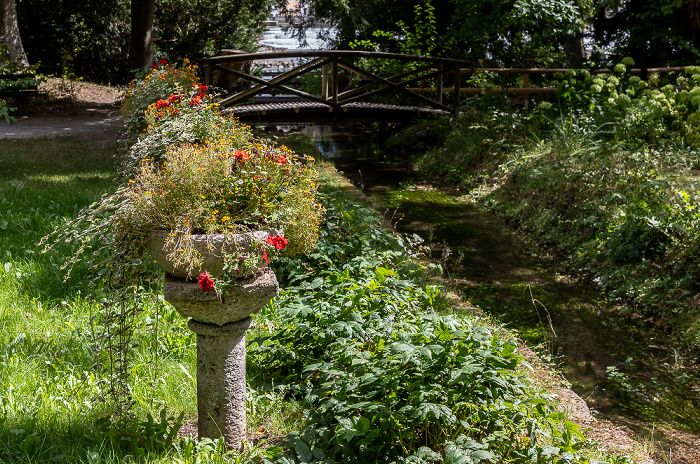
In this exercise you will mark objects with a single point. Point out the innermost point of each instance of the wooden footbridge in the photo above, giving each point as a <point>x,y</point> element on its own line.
<point>348,85</point>
<point>341,86</point>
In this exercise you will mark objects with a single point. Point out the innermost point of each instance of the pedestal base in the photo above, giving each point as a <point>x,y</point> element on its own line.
<point>221,380</point>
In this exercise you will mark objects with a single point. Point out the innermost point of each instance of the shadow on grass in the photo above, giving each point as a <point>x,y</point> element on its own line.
<point>38,441</point>
<point>20,158</point>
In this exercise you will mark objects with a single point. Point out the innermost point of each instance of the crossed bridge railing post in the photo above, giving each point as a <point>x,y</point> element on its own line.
<point>342,80</point>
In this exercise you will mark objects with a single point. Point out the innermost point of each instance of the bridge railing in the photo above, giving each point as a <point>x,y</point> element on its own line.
<point>346,78</point>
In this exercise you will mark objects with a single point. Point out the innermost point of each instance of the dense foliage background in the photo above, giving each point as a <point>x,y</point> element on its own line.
<point>91,38</point>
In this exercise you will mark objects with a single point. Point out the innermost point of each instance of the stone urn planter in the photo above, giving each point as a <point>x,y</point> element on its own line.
<point>220,322</point>
<point>212,249</point>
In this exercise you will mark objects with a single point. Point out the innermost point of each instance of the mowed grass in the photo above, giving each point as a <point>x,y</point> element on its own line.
<point>49,393</point>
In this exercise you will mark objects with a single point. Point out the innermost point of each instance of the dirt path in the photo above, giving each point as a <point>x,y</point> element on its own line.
<point>78,109</point>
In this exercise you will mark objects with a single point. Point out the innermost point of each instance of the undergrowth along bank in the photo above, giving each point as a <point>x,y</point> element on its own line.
<point>48,386</point>
<point>606,175</point>
<point>358,337</point>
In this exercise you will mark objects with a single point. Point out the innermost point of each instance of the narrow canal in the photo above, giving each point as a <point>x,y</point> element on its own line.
<point>626,371</point>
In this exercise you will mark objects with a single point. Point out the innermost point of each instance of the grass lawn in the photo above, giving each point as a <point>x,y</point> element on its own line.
<point>358,307</point>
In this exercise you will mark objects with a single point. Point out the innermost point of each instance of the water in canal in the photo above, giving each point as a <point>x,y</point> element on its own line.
<point>626,371</point>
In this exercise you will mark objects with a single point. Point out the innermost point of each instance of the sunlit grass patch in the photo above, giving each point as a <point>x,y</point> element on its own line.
<point>53,156</point>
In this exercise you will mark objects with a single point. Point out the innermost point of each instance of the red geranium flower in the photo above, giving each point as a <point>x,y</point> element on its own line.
<point>196,101</point>
<point>241,156</point>
<point>205,282</point>
<point>278,241</point>
<point>281,159</point>
<point>173,98</point>
<point>154,66</point>
<point>203,87</point>
<point>162,103</point>
<point>163,62</point>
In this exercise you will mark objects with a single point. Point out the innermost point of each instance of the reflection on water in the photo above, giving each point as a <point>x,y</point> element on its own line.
<point>354,152</point>
<point>339,143</point>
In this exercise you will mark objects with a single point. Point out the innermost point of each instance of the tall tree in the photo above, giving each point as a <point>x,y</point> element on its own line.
<point>141,43</point>
<point>9,30</point>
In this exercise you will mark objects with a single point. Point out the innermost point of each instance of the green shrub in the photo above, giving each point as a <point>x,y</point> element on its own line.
<point>383,377</point>
<point>190,118</point>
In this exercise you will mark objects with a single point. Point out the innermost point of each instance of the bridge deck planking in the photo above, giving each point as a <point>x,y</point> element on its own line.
<point>311,112</point>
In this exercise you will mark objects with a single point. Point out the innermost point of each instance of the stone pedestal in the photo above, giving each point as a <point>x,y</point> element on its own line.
<point>221,380</point>
<point>236,304</point>
<point>220,325</point>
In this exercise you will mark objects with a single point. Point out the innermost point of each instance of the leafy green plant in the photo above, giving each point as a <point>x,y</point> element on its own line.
<point>143,437</point>
<point>383,378</point>
<point>5,112</point>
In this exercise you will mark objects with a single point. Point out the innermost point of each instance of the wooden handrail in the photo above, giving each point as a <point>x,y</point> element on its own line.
<point>333,62</point>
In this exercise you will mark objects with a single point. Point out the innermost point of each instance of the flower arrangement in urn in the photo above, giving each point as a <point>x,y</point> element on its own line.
<point>207,200</point>
<point>203,197</point>
<point>221,209</point>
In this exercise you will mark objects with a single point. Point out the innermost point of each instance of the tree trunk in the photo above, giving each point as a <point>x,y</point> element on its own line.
<point>9,31</point>
<point>141,45</point>
<point>694,18</point>
<point>573,50</point>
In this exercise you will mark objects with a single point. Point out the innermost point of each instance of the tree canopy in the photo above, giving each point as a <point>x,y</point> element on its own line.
<point>516,32</point>
<point>91,38</point>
